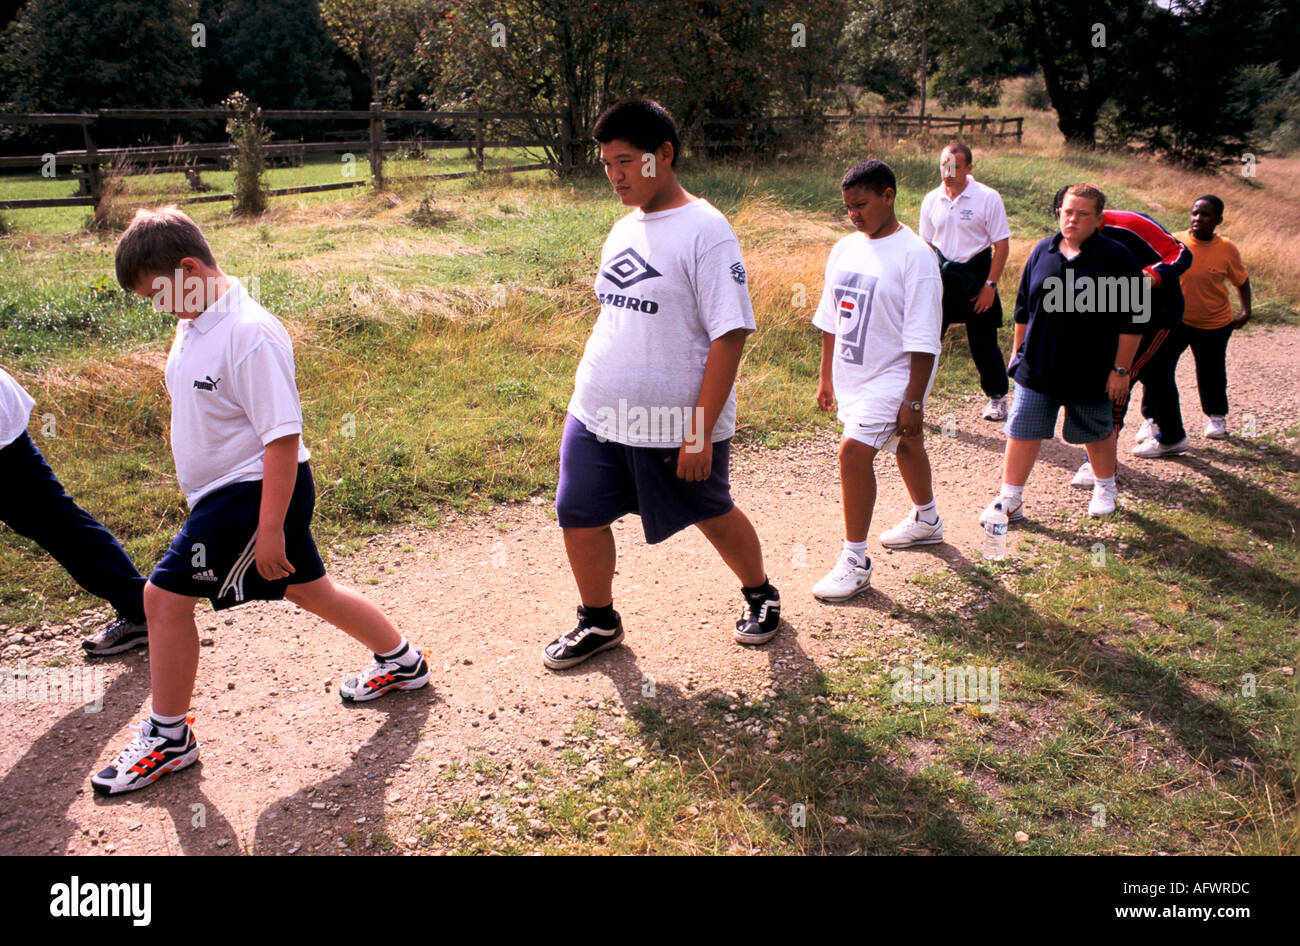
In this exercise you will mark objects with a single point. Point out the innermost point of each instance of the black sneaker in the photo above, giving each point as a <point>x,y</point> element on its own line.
<point>119,636</point>
<point>581,642</point>
<point>148,757</point>
<point>762,614</point>
<point>383,676</point>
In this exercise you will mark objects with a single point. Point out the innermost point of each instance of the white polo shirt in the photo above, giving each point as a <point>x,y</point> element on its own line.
<point>15,409</point>
<point>231,379</point>
<point>963,227</point>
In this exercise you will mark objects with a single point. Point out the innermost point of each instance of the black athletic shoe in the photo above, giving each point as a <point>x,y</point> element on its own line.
<point>119,636</point>
<point>762,614</point>
<point>148,757</point>
<point>581,642</point>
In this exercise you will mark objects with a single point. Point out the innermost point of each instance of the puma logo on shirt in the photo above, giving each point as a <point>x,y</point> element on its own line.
<point>208,384</point>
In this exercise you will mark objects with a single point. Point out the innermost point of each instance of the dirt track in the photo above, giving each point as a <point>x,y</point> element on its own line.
<point>287,768</point>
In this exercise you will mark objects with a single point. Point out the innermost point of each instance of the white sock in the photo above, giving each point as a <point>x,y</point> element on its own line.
<point>169,726</point>
<point>404,654</point>
<point>1104,482</point>
<point>858,550</point>
<point>929,513</point>
<point>1013,494</point>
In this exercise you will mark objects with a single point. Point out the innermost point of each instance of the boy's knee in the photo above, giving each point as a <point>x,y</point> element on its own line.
<point>308,593</point>
<point>911,446</point>
<point>718,524</point>
<point>856,453</point>
<point>160,604</point>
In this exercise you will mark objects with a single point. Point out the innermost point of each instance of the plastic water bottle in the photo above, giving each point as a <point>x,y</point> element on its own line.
<point>995,533</point>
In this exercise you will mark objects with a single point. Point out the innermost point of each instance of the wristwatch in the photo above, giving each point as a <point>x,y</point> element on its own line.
<point>914,405</point>
<point>1122,372</point>
<point>989,282</point>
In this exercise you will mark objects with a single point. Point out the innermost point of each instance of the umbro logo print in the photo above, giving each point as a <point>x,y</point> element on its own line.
<point>628,269</point>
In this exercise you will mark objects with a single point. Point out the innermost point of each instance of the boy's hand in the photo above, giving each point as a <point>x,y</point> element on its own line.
<point>825,395</point>
<point>909,422</point>
<point>694,466</point>
<point>268,553</point>
<point>1117,388</point>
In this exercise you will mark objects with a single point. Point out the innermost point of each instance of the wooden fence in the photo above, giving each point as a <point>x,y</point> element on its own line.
<point>92,160</point>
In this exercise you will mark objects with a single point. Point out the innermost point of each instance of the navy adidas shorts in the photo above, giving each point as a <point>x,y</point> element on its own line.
<point>212,557</point>
<point>601,481</point>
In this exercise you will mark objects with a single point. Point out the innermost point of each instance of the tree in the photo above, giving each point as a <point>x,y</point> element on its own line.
<point>726,60</point>
<point>130,53</point>
<point>1077,49</point>
<point>276,52</point>
<point>380,35</point>
<point>568,57</point>
<point>902,49</point>
<point>1180,93</point>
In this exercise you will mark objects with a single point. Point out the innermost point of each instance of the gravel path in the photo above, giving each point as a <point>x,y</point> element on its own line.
<point>287,768</point>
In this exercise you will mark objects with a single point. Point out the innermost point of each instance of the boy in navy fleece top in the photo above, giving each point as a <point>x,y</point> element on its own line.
<point>1079,316</point>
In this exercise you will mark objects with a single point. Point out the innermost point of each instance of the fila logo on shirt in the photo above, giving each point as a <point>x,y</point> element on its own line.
<point>852,294</point>
<point>207,384</point>
<point>628,269</point>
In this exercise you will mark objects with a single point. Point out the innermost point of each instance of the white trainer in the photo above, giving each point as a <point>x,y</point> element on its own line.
<point>1148,431</point>
<point>1150,449</point>
<point>848,578</point>
<point>912,531</point>
<point>1217,428</point>
<point>1083,476</point>
<point>995,409</point>
<point>1103,500</point>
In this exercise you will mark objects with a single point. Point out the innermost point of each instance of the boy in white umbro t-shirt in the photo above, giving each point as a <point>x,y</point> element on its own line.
<point>649,426</point>
<point>236,436</point>
<point>880,316</point>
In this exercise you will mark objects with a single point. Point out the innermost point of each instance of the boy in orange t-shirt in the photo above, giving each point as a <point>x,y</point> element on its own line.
<point>1208,321</point>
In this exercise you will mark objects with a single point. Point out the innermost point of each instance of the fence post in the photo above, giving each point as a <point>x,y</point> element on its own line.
<point>94,179</point>
<point>478,141</point>
<point>376,146</point>
<point>1020,130</point>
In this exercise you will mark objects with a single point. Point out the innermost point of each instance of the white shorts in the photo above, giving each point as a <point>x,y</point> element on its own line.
<point>883,437</point>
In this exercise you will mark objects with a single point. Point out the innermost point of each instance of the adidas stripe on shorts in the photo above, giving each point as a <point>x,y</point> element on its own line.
<point>212,557</point>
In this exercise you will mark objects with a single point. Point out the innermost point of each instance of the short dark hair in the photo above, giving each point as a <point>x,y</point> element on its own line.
<point>871,173</point>
<point>960,147</point>
<point>1058,200</point>
<point>643,122</point>
<point>1213,201</point>
<point>155,243</point>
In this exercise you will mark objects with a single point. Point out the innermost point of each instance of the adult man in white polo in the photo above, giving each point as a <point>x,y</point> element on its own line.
<point>966,224</point>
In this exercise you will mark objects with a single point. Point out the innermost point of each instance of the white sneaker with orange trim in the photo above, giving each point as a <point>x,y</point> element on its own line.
<point>148,757</point>
<point>384,676</point>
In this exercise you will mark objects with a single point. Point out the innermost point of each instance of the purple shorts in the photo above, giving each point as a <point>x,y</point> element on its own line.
<point>604,481</point>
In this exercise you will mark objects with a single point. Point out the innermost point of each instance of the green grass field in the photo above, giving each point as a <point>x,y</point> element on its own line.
<point>437,331</point>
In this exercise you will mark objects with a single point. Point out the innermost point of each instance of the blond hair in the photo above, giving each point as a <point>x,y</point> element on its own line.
<point>155,243</point>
